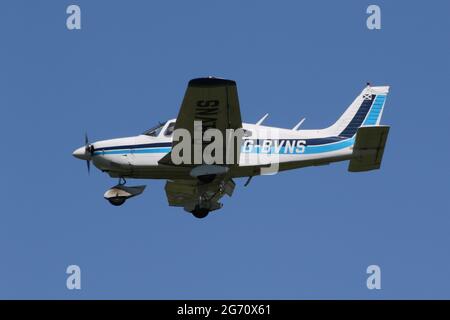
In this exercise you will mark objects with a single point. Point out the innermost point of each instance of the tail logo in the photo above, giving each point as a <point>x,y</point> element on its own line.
<point>367,96</point>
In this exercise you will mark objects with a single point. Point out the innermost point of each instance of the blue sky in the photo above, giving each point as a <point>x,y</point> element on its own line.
<point>309,233</point>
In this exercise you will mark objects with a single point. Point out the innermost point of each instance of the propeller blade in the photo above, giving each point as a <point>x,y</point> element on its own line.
<point>87,149</point>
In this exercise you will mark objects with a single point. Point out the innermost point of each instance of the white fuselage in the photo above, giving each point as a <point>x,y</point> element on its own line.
<point>138,156</point>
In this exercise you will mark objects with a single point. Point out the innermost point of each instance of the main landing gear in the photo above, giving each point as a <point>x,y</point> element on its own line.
<point>199,212</point>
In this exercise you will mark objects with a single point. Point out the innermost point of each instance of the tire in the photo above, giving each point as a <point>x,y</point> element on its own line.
<point>117,201</point>
<point>200,213</point>
<point>206,178</point>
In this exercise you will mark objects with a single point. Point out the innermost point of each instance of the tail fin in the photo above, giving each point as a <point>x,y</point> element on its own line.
<point>366,110</point>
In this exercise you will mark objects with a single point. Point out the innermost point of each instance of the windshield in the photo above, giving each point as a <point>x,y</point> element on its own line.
<point>169,130</point>
<point>154,132</point>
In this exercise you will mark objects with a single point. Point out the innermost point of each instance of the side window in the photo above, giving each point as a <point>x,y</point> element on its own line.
<point>247,133</point>
<point>169,130</point>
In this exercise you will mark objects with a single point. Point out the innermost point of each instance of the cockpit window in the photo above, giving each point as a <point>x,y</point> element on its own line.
<point>154,132</point>
<point>169,130</point>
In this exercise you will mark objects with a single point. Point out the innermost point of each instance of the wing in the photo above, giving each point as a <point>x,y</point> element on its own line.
<point>191,193</point>
<point>210,100</point>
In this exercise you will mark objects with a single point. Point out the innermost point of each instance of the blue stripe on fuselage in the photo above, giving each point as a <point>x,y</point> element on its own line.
<point>132,151</point>
<point>309,149</point>
<point>329,147</point>
<point>315,148</point>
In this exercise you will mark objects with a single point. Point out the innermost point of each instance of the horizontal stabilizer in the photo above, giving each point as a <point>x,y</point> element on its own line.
<point>368,148</point>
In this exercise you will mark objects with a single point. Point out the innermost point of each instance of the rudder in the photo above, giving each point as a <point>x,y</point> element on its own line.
<point>366,110</point>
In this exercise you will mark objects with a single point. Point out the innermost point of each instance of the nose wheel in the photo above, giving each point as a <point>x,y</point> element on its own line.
<point>118,194</point>
<point>117,201</point>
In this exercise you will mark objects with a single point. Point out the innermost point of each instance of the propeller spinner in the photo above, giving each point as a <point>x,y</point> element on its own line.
<point>85,152</point>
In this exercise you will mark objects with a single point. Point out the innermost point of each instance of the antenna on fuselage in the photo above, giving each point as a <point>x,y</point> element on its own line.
<point>262,119</point>
<point>298,124</point>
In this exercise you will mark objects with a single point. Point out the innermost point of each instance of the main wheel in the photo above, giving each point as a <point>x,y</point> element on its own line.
<point>207,178</point>
<point>117,201</point>
<point>200,213</point>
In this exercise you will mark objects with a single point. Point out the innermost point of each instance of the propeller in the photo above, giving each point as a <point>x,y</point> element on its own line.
<point>88,150</point>
<point>85,153</point>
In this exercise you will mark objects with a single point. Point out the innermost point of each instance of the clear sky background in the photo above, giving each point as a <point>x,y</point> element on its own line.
<point>308,233</point>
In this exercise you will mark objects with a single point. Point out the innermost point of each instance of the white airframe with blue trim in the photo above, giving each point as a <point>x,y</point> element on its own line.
<point>356,136</point>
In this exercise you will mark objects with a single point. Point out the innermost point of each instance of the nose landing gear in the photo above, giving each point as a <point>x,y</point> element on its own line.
<point>118,194</point>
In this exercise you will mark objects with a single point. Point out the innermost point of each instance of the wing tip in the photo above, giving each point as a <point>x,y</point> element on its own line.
<point>211,82</point>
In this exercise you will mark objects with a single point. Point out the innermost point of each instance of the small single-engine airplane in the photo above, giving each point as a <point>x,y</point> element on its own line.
<point>212,104</point>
